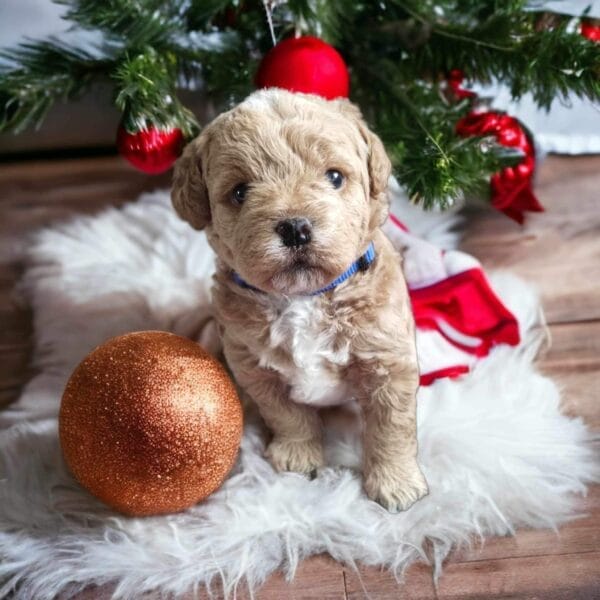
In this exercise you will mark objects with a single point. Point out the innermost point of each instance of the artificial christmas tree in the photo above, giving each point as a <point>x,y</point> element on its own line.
<point>402,58</point>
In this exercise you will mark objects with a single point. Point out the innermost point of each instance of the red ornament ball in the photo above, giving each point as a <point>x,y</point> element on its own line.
<point>511,188</point>
<point>305,64</point>
<point>151,150</point>
<point>590,28</point>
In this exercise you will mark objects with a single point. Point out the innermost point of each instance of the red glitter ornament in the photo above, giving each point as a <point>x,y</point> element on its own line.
<point>151,150</point>
<point>511,187</point>
<point>305,64</point>
<point>590,28</point>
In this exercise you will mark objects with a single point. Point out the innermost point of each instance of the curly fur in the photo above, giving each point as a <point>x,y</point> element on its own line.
<point>359,340</point>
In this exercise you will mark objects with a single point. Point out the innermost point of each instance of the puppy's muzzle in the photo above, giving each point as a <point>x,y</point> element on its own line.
<point>294,232</point>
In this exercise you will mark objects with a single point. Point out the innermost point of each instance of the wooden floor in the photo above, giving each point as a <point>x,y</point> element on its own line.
<point>559,251</point>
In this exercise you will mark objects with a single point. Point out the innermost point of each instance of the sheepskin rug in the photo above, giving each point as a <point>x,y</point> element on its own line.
<point>495,448</point>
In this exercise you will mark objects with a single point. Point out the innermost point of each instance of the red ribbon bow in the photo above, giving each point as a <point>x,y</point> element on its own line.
<point>511,187</point>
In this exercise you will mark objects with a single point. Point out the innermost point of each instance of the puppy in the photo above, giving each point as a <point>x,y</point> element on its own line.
<point>309,294</point>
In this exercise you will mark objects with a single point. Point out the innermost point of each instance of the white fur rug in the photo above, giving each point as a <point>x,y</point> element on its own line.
<point>495,448</point>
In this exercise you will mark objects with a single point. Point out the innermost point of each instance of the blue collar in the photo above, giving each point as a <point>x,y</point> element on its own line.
<point>362,264</point>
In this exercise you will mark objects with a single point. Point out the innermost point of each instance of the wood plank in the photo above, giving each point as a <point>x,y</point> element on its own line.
<point>551,577</point>
<point>370,582</point>
<point>38,173</point>
<point>35,194</point>
<point>316,577</point>
<point>578,536</point>
<point>72,182</point>
<point>16,345</point>
<point>558,251</point>
<point>573,362</point>
<point>580,395</point>
<point>573,346</point>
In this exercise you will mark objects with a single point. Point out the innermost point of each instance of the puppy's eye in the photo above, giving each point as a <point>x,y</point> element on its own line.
<point>238,195</point>
<point>335,177</point>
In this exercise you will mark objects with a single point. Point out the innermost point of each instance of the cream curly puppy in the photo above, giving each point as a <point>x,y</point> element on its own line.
<point>309,294</point>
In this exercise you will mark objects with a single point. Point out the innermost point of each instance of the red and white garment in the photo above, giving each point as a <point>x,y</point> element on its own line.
<point>459,318</point>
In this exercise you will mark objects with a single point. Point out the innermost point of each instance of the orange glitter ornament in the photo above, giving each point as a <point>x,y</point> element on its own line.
<point>150,423</point>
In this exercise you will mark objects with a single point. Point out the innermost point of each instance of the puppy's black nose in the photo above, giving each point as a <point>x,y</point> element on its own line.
<point>294,232</point>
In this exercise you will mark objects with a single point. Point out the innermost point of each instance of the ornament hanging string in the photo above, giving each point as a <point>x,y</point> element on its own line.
<point>269,5</point>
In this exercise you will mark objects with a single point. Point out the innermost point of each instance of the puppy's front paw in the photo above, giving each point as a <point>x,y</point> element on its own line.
<point>395,489</point>
<point>289,455</point>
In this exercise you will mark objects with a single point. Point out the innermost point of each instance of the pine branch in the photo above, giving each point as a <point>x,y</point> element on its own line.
<point>434,165</point>
<point>139,22</point>
<point>34,76</point>
<point>563,64</point>
<point>201,14</point>
<point>325,18</point>
<point>226,71</point>
<point>398,73</point>
<point>197,57</point>
<point>146,93</point>
<point>499,41</point>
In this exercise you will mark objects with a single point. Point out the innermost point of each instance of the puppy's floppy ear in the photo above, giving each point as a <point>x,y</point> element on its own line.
<point>379,165</point>
<point>189,194</point>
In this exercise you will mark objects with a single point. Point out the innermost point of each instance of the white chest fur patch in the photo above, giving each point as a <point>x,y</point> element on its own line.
<point>306,350</point>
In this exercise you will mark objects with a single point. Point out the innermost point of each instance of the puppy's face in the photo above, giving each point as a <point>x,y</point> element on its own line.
<point>290,188</point>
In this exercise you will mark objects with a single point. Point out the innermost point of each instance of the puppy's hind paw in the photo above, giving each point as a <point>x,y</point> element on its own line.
<point>396,491</point>
<point>299,456</point>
